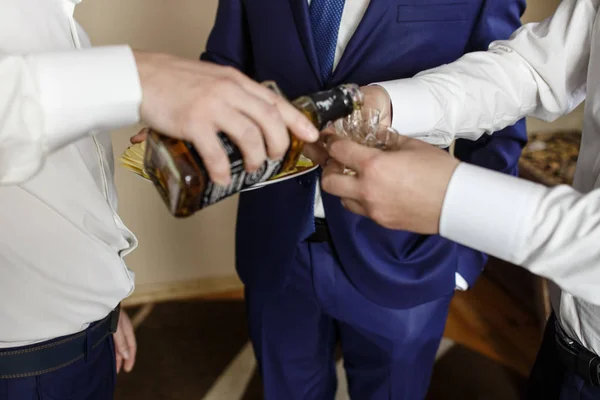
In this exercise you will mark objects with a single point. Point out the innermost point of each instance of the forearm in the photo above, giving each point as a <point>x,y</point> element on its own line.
<point>540,71</point>
<point>49,100</point>
<point>552,232</point>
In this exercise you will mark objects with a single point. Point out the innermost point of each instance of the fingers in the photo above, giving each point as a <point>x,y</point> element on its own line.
<point>119,360</point>
<point>297,123</point>
<point>335,182</point>
<point>248,137</point>
<point>121,353</point>
<point>294,120</point>
<point>333,167</point>
<point>355,207</point>
<point>128,365</point>
<point>125,344</point>
<point>267,126</point>
<point>327,132</point>
<point>316,153</point>
<point>350,154</point>
<point>346,187</point>
<point>140,136</point>
<point>131,345</point>
<point>210,149</point>
<point>193,101</point>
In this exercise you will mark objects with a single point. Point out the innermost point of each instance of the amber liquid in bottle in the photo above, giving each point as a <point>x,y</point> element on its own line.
<point>179,174</point>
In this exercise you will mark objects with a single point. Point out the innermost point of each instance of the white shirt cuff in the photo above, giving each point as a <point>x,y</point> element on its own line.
<point>460,282</point>
<point>86,91</point>
<point>415,111</point>
<point>488,211</point>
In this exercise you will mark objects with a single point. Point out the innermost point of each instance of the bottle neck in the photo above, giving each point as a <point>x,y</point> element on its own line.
<point>333,104</point>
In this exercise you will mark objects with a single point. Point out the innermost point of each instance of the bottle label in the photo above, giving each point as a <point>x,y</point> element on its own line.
<point>240,178</point>
<point>332,104</point>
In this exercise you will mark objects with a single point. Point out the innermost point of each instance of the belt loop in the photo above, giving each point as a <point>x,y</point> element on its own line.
<point>88,343</point>
<point>595,371</point>
<point>114,318</point>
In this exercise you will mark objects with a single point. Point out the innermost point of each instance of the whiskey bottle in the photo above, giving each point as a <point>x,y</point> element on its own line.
<point>179,174</point>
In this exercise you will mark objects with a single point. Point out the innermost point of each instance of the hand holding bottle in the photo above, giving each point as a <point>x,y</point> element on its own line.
<point>193,101</point>
<point>180,173</point>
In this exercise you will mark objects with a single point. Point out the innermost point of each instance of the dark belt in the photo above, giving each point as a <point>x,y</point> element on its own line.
<point>576,358</point>
<point>55,354</point>
<point>321,233</point>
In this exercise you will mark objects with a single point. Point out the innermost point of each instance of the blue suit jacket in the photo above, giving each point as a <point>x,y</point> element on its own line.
<point>271,39</point>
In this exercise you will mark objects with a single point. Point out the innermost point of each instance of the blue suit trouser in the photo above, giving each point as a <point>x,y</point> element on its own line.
<point>91,378</point>
<point>388,353</point>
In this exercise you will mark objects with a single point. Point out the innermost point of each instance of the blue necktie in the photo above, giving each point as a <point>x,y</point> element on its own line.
<point>325,18</point>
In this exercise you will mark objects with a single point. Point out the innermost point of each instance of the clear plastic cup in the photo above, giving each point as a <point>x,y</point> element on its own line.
<point>363,127</point>
<point>358,124</point>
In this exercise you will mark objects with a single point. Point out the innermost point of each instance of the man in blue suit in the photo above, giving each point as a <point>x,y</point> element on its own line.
<point>316,274</point>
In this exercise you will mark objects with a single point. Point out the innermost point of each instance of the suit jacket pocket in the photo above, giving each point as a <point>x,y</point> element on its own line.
<point>433,12</point>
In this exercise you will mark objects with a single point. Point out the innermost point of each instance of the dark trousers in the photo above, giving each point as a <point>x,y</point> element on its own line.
<point>86,379</point>
<point>549,380</point>
<point>388,353</point>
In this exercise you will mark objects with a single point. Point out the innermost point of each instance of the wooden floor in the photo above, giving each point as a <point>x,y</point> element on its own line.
<point>200,350</point>
<point>487,319</point>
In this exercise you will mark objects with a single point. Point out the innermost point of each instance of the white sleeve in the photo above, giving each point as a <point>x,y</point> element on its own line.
<point>553,232</point>
<point>540,71</point>
<point>48,100</point>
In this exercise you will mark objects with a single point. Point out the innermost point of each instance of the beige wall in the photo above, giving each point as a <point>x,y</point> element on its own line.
<point>538,10</point>
<point>170,250</point>
<point>202,246</point>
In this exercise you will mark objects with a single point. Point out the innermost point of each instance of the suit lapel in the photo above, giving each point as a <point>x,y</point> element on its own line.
<point>363,39</point>
<point>302,18</point>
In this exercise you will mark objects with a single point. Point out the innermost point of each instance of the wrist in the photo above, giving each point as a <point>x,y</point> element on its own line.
<point>376,96</point>
<point>386,101</point>
<point>146,62</point>
<point>148,66</point>
<point>444,183</point>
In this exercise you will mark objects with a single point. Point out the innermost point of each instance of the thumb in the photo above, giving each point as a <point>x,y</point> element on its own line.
<point>140,136</point>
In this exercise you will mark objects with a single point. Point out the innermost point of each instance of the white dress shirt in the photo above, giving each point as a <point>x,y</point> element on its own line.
<point>351,17</point>
<point>62,243</point>
<point>543,71</point>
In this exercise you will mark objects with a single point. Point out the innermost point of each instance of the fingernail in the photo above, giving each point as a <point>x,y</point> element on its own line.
<point>223,181</point>
<point>252,169</point>
<point>311,131</point>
